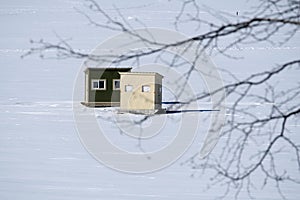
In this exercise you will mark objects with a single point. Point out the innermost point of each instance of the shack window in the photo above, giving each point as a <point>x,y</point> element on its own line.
<point>128,88</point>
<point>116,84</point>
<point>99,84</point>
<point>146,88</point>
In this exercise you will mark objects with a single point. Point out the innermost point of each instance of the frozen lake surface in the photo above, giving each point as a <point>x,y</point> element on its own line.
<point>41,156</point>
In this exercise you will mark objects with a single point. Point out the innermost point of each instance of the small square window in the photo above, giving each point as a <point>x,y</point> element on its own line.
<point>95,85</point>
<point>128,88</point>
<point>116,84</point>
<point>146,88</point>
<point>99,84</point>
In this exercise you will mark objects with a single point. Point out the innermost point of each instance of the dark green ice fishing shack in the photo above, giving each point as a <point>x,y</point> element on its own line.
<point>102,86</point>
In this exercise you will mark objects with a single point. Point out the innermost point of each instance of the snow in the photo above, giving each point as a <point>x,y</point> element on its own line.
<point>41,156</point>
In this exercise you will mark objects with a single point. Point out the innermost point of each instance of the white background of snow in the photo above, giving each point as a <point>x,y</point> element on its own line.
<point>41,156</point>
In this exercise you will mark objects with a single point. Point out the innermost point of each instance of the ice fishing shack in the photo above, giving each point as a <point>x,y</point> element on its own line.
<point>141,92</point>
<point>102,86</point>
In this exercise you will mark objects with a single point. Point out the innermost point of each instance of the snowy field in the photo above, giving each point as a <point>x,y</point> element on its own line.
<point>41,156</point>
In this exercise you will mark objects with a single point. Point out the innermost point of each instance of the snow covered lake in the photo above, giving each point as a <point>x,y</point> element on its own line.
<point>41,156</point>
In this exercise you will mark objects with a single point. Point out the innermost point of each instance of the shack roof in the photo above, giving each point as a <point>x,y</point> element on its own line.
<point>108,69</point>
<point>141,73</point>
